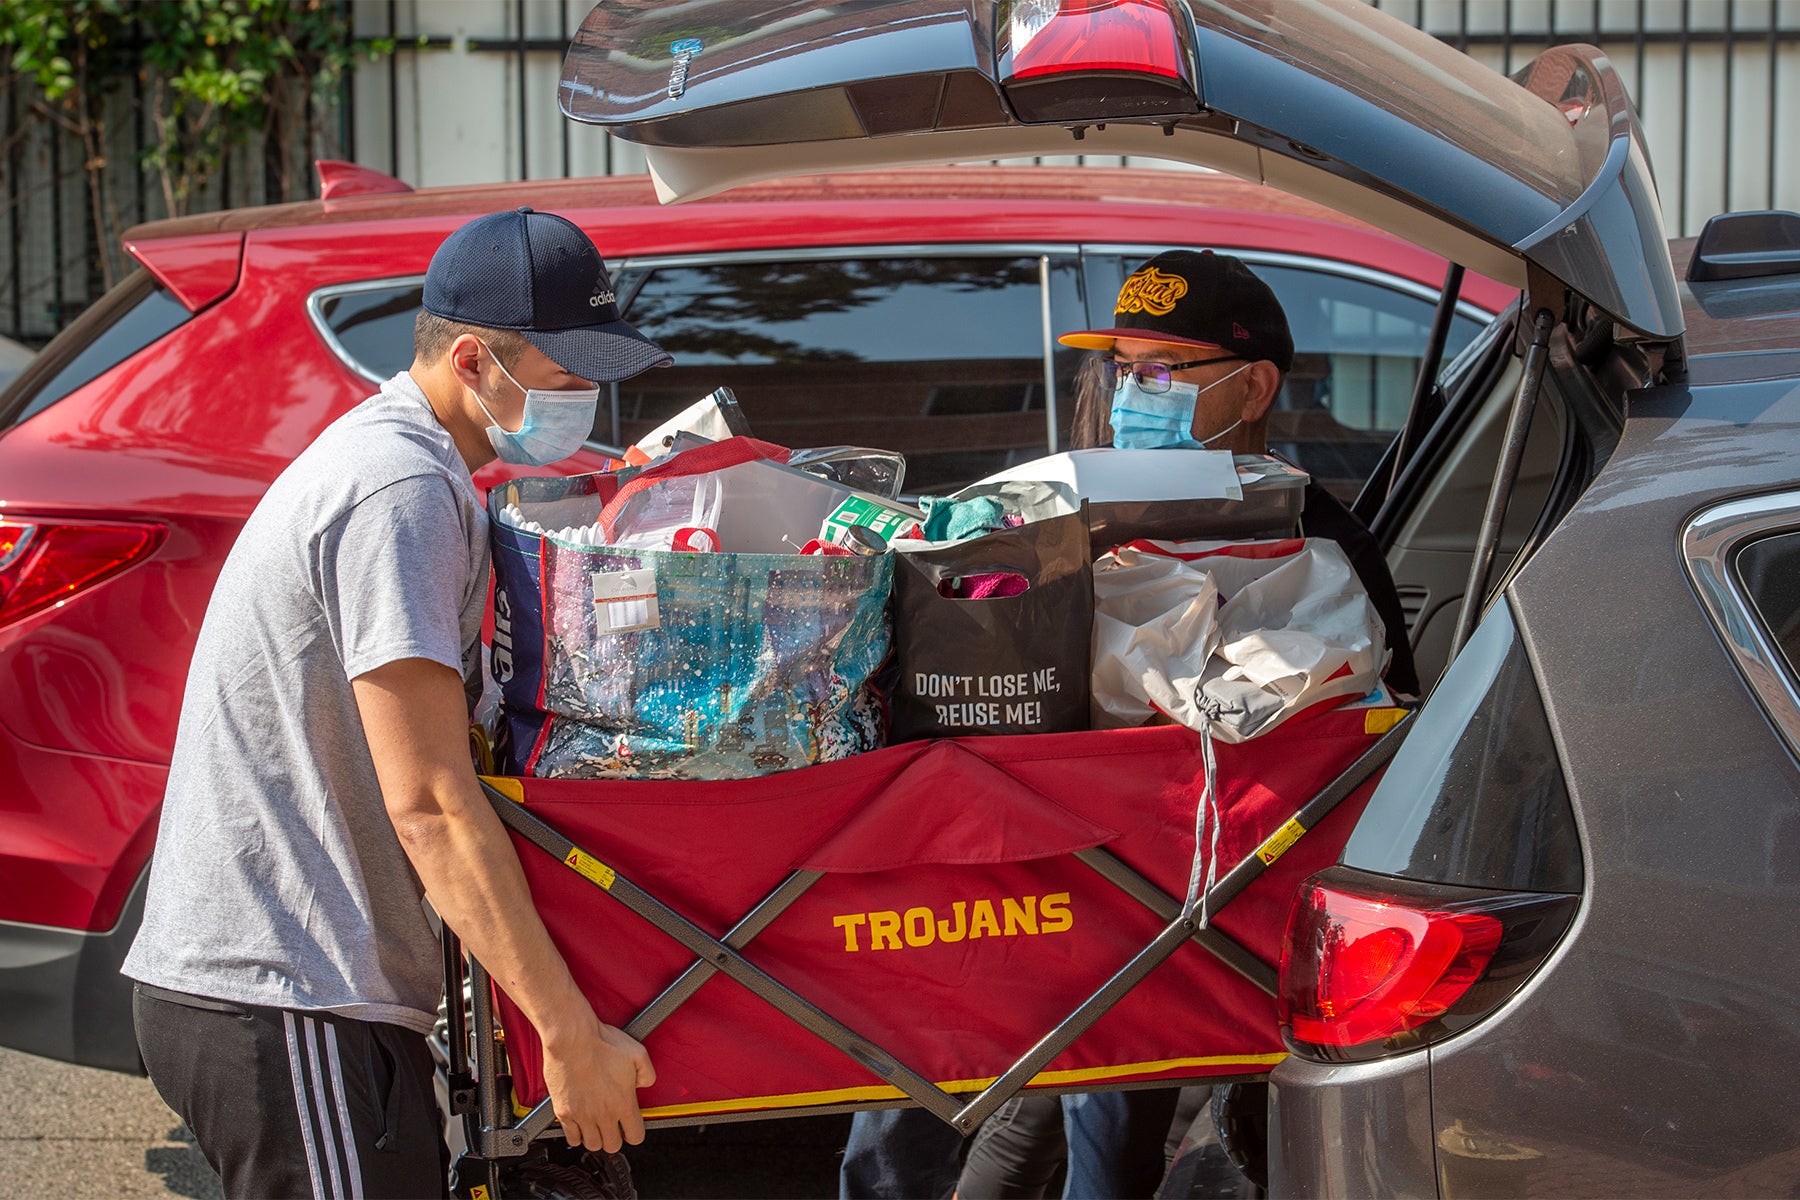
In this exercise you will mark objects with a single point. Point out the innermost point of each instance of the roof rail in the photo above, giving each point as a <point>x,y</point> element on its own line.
<point>1747,245</point>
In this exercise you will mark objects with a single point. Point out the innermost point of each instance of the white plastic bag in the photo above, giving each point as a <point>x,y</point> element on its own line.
<point>1155,626</point>
<point>751,501</point>
<point>714,417</point>
<point>1229,637</point>
<point>684,513</point>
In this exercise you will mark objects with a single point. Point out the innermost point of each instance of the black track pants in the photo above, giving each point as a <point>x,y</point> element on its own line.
<point>290,1104</point>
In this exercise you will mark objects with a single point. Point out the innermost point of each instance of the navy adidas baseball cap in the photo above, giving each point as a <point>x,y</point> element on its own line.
<point>539,274</point>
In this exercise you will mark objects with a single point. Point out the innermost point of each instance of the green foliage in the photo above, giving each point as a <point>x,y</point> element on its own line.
<point>72,50</point>
<point>48,38</point>
<point>217,73</point>
<point>226,70</point>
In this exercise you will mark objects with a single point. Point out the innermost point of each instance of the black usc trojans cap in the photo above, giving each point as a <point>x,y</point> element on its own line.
<point>1197,298</point>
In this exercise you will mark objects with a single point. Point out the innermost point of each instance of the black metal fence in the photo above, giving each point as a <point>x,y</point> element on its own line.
<point>1707,77</point>
<point>1717,83</point>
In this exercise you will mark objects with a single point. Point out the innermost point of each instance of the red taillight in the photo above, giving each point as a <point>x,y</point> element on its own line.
<point>1091,61</point>
<point>44,564</point>
<point>1047,37</point>
<point>1359,967</point>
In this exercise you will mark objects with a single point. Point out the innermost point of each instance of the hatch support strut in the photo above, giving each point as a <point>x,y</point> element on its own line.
<point>1412,428</point>
<point>1518,425</point>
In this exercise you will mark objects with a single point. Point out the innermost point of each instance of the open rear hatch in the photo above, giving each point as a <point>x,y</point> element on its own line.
<point>1328,99</point>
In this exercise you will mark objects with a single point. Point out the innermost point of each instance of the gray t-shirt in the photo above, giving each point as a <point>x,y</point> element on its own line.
<point>277,877</point>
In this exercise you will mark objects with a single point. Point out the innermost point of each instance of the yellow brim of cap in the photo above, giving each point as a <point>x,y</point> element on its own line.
<point>1103,339</point>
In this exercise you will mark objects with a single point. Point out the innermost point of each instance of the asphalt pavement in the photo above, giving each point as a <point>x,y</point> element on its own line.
<point>86,1134</point>
<point>82,1133</point>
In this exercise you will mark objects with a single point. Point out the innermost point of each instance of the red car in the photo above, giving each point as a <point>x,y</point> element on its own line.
<point>912,310</point>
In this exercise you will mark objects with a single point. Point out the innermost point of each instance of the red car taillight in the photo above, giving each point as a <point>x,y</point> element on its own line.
<point>45,563</point>
<point>1094,35</point>
<point>1372,966</point>
<point>1098,60</point>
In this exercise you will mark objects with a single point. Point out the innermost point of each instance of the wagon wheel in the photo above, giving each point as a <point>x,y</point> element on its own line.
<point>572,1175</point>
<point>1240,1113</point>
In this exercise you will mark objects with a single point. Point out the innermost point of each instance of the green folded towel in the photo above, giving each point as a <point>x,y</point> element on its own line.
<point>948,520</point>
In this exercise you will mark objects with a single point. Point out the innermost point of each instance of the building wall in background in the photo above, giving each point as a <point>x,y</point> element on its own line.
<point>470,96</point>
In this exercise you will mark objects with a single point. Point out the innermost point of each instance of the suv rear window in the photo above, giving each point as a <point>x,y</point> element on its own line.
<point>1770,572</point>
<point>939,358</point>
<point>942,358</point>
<point>370,326</point>
<point>128,318</point>
<point>1743,557</point>
<point>1357,347</point>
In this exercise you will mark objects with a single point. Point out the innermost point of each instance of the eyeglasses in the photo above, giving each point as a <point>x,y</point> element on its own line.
<point>1153,377</point>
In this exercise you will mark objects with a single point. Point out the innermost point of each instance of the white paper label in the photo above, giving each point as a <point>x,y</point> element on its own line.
<point>625,601</point>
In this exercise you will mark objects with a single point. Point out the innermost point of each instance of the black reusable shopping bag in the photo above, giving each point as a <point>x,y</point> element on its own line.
<point>1006,663</point>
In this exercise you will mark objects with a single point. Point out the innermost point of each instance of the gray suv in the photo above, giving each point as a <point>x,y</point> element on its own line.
<point>1594,823</point>
<point>1557,956</point>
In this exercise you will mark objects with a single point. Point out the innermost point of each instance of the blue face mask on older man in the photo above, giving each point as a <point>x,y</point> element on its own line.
<point>1162,420</point>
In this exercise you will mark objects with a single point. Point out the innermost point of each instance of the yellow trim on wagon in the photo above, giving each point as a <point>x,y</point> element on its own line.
<point>1380,720</point>
<point>884,1092</point>
<point>1252,1062</point>
<point>512,787</point>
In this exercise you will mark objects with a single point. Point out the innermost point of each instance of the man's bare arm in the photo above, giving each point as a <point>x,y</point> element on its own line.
<point>413,714</point>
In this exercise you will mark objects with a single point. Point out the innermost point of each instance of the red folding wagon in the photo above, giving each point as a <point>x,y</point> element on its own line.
<point>939,923</point>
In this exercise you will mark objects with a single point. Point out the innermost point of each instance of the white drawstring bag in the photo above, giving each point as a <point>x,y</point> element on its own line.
<point>1156,625</point>
<point>1251,632</point>
<point>1230,639</point>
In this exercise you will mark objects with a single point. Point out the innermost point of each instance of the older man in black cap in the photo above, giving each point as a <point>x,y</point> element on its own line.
<point>320,789</point>
<point>1195,358</point>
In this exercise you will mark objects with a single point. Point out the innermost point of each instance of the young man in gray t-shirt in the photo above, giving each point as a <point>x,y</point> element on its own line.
<point>321,786</point>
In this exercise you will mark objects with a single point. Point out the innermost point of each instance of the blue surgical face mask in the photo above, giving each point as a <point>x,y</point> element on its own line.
<point>1161,420</point>
<point>555,425</point>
